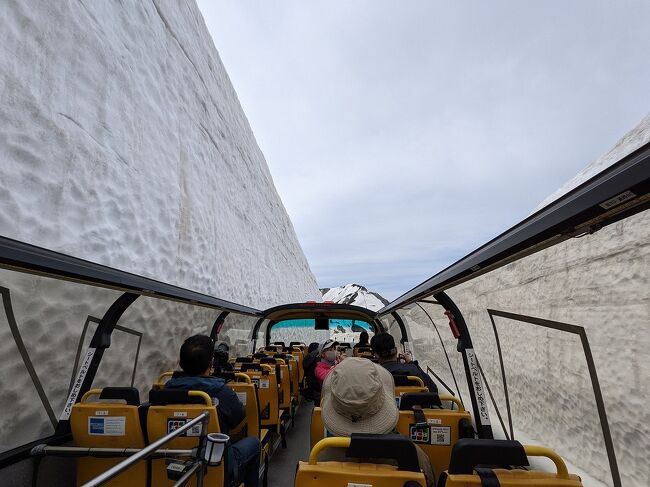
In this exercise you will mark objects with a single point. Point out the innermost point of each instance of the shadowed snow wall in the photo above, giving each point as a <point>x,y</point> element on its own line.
<point>122,141</point>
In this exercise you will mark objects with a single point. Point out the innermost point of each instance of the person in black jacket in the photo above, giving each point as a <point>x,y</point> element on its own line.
<point>363,340</point>
<point>243,457</point>
<point>383,345</point>
<point>312,391</point>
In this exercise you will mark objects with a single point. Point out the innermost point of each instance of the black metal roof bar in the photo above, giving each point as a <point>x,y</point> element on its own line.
<point>23,257</point>
<point>575,213</point>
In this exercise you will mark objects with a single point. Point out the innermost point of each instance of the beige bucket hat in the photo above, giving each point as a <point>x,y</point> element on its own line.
<point>359,397</point>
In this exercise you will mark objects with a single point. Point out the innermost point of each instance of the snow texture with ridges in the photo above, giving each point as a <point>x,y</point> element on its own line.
<point>123,142</point>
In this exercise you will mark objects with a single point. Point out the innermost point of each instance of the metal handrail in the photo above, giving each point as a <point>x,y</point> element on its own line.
<point>148,451</point>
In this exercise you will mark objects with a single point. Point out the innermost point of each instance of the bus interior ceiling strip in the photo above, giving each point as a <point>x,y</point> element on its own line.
<point>15,332</point>
<point>600,405</point>
<point>445,351</point>
<point>577,210</point>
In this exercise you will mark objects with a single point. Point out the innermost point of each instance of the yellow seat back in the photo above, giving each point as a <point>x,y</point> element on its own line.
<point>107,425</point>
<point>247,395</point>
<point>408,384</point>
<point>467,454</point>
<point>438,437</point>
<point>163,419</point>
<point>317,428</point>
<point>164,377</point>
<point>267,393</point>
<point>343,474</point>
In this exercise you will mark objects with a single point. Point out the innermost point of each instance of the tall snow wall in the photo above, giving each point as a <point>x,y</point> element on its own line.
<point>600,282</point>
<point>122,142</point>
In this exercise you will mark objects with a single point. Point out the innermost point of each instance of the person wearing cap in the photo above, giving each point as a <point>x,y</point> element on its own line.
<point>328,359</point>
<point>359,397</point>
<point>383,345</point>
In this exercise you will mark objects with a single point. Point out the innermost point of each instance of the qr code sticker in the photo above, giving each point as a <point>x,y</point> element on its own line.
<point>440,435</point>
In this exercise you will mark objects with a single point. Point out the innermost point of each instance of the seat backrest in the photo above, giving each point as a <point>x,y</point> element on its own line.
<point>317,428</point>
<point>263,376</point>
<point>104,424</point>
<point>247,395</point>
<point>164,377</point>
<point>170,409</point>
<point>326,474</point>
<point>405,384</point>
<point>362,351</point>
<point>469,454</point>
<point>442,428</point>
<point>299,356</point>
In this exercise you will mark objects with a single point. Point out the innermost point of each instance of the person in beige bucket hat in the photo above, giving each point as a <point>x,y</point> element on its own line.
<point>359,397</point>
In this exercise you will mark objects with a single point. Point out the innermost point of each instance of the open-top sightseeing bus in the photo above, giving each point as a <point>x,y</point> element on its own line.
<point>98,417</point>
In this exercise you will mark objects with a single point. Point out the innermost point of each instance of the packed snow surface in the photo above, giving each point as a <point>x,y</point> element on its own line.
<point>122,141</point>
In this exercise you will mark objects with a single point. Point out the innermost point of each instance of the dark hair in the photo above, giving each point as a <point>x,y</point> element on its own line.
<point>363,337</point>
<point>196,354</point>
<point>312,346</point>
<point>383,345</point>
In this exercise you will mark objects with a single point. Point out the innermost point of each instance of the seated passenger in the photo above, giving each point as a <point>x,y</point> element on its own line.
<point>359,397</point>
<point>312,391</point>
<point>243,457</point>
<point>363,340</point>
<point>383,345</point>
<point>328,359</point>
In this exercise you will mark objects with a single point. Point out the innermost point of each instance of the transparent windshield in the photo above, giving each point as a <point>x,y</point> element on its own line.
<point>303,330</point>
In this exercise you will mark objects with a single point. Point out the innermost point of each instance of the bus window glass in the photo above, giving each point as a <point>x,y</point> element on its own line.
<point>302,330</point>
<point>236,332</point>
<point>431,347</point>
<point>164,326</point>
<point>42,321</point>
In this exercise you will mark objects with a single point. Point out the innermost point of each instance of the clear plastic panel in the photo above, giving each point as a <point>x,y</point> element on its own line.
<point>561,404</point>
<point>49,317</point>
<point>164,326</point>
<point>435,347</point>
<point>302,330</point>
<point>237,332</point>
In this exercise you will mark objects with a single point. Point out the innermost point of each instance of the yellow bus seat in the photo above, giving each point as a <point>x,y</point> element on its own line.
<point>292,365</point>
<point>299,354</point>
<point>433,429</point>
<point>283,380</point>
<point>407,383</point>
<point>362,352</point>
<point>170,409</point>
<point>102,424</point>
<point>164,377</point>
<point>342,474</point>
<point>501,455</point>
<point>317,428</point>
<point>263,376</point>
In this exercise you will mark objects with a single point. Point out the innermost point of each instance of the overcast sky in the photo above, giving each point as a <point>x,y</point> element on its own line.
<point>403,135</point>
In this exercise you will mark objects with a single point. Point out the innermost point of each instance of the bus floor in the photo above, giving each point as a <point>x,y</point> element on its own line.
<point>282,468</point>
